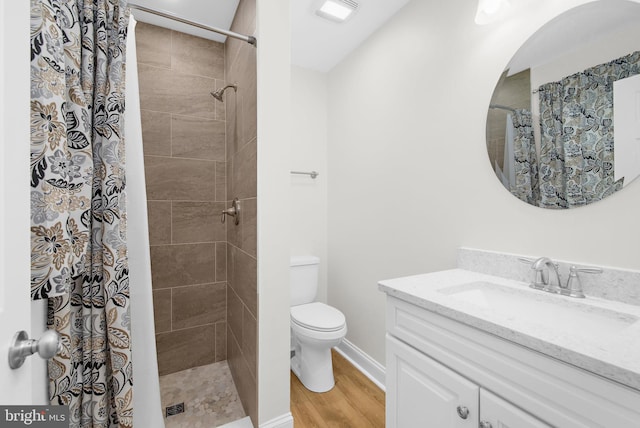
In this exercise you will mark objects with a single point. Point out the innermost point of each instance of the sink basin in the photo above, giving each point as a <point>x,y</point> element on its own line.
<point>562,314</point>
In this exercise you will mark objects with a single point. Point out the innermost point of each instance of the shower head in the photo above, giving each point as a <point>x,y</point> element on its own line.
<point>220,92</point>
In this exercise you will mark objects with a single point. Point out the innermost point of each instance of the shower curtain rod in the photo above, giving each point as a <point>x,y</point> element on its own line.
<point>501,107</point>
<point>249,39</point>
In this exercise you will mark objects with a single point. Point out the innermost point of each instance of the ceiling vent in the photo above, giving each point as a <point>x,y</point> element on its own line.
<point>337,10</point>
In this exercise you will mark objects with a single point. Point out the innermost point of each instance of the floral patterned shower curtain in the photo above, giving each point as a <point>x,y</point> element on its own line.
<point>526,164</point>
<point>576,119</point>
<point>79,255</point>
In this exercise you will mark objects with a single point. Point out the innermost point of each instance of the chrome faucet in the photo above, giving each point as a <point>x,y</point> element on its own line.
<point>542,266</point>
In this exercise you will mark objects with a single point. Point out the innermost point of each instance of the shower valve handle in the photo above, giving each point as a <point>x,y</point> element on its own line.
<point>234,211</point>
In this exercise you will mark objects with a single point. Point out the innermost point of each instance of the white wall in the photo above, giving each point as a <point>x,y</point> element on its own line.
<point>309,153</point>
<point>274,218</point>
<point>612,46</point>
<point>407,156</point>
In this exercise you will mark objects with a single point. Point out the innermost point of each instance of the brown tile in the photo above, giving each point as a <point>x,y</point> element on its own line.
<point>156,133</point>
<point>221,181</point>
<point>234,354</point>
<point>197,222</point>
<point>159,214</point>
<point>153,45</point>
<point>234,231</point>
<point>221,106</point>
<point>155,88</point>
<point>221,341</point>
<point>195,55</point>
<point>183,349</point>
<point>242,277</point>
<point>233,110</point>
<point>180,265</point>
<point>243,172</point>
<point>221,261</point>
<point>248,225</point>
<point>250,113</point>
<point>242,68</point>
<point>198,305</point>
<point>243,71</point>
<point>245,383</point>
<point>250,341</point>
<point>192,95</point>
<point>173,92</point>
<point>231,49</point>
<point>245,18</point>
<point>179,179</point>
<point>162,310</point>
<point>234,314</point>
<point>198,138</point>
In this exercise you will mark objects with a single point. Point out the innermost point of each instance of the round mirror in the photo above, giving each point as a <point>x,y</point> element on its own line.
<point>563,125</point>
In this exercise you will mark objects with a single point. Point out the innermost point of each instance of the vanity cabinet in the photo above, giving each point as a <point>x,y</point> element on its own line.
<point>445,374</point>
<point>498,413</point>
<point>424,393</point>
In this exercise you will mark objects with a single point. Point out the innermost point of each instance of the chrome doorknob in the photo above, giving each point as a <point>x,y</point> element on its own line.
<point>485,424</point>
<point>21,347</point>
<point>463,412</point>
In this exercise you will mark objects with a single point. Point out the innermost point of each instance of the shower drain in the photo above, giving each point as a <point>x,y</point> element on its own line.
<point>176,409</point>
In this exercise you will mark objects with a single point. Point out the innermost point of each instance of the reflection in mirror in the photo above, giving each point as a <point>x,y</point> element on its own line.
<point>569,93</point>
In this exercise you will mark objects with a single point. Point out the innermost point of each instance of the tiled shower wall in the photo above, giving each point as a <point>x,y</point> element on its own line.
<point>514,92</point>
<point>185,167</point>
<point>242,294</point>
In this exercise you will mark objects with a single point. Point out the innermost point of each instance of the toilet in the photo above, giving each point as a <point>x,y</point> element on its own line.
<point>315,327</point>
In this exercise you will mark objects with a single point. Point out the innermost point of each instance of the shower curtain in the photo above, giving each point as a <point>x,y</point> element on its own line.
<point>576,119</point>
<point>524,155</point>
<point>79,252</point>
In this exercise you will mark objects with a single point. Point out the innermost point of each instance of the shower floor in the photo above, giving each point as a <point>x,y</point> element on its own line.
<point>209,395</point>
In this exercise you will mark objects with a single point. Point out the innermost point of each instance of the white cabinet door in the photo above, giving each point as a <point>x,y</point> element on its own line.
<point>497,413</point>
<point>423,393</point>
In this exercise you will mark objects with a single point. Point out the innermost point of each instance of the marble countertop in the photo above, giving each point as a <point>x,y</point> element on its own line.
<point>615,356</point>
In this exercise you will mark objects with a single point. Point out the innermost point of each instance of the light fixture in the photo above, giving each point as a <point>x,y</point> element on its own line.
<point>490,11</point>
<point>337,10</point>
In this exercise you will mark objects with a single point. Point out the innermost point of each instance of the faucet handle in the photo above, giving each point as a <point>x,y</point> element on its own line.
<point>540,276</point>
<point>574,286</point>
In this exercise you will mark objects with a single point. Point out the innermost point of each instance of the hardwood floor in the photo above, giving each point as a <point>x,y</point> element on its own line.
<point>354,402</point>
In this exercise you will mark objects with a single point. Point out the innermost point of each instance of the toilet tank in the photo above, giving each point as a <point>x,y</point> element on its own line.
<point>304,279</point>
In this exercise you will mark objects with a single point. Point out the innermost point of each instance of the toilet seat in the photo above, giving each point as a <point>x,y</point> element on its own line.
<point>318,317</point>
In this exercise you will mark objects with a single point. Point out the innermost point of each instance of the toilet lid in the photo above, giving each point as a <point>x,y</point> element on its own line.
<point>317,316</point>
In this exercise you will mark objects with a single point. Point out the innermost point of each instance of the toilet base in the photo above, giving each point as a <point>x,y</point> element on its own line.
<point>314,369</point>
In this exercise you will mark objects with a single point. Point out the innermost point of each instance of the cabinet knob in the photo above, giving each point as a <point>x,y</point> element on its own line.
<point>463,412</point>
<point>485,424</point>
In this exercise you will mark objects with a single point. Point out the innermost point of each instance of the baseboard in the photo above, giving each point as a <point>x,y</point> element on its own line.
<point>239,423</point>
<point>363,362</point>
<point>284,421</point>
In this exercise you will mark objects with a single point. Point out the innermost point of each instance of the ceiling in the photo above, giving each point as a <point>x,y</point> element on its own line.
<point>319,44</point>
<point>316,43</point>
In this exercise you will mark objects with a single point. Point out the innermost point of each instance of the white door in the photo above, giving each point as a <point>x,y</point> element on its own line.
<point>423,393</point>
<point>626,126</point>
<point>498,413</point>
<point>15,305</point>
